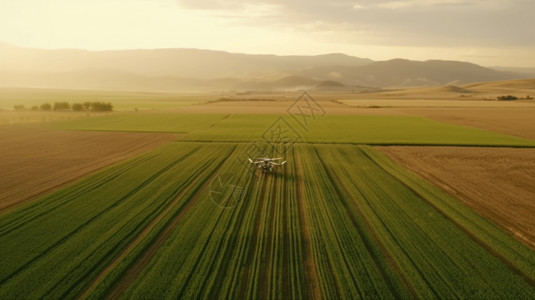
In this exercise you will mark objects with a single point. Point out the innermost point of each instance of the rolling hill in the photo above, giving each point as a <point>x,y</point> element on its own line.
<point>202,70</point>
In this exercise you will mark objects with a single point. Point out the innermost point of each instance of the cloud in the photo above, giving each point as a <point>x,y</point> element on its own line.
<point>388,22</point>
<point>419,3</point>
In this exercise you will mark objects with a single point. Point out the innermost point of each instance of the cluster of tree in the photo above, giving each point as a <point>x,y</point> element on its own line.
<point>510,97</point>
<point>507,98</point>
<point>65,106</point>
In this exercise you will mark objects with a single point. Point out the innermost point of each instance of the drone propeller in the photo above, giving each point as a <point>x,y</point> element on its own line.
<point>254,162</point>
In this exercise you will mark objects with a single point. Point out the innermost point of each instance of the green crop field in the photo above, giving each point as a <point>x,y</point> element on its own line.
<point>378,130</point>
<point>192,220</point>
<point>338,221</point>
<point>143,122</point>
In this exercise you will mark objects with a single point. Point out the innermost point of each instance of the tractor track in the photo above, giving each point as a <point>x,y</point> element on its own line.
<point>242,294</point>
<point>311,277</point>
<point>286,261</point>
<point>264,276</point>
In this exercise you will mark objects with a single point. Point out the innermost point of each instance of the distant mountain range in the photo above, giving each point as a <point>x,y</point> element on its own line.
<point>207,70</point>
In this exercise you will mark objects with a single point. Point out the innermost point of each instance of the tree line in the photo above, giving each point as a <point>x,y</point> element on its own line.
<point>66,106</point>
<point>510,98</point>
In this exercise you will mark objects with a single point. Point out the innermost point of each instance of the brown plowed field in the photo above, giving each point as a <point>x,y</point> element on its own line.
<point>498,183</point>
<point>34,161</point>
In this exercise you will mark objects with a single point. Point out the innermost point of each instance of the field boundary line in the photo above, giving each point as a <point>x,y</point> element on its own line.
<point>186,140</point>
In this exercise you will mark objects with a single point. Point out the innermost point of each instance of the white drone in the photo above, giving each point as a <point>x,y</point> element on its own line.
<point>267,165</point>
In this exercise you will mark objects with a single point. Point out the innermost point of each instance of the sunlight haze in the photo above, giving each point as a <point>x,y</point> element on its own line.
<point>490,33</point>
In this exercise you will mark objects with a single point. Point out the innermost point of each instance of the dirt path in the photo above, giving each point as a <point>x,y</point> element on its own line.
<point>497,183</point>
<point>36,161</point>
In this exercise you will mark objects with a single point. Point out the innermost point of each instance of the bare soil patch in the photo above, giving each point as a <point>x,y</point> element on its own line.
<point>498,183</point>
<point>35,161</point>
<point>512,121</point>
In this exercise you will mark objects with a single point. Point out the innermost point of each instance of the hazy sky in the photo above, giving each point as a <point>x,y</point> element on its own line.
<point>488,32</point>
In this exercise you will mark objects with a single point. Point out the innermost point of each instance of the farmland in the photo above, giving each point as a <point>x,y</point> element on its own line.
<point>318,229</point>
<point>492,119</point>
<point>36,161</point>
<point>496,183</point>
<point>185,216</point>
<point>354,129</point>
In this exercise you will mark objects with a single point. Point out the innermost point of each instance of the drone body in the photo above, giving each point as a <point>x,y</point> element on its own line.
<point>266,165</point>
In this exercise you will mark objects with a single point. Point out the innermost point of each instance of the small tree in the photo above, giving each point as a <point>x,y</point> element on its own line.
<point>101,106</point>
<point>45,107</point>
<point>77,107</point>
<point>62,106</point>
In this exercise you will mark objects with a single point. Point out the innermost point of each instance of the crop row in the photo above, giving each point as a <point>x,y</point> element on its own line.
<point>519,257</point>
<point>334,224</point>
<point>191,220</point>
<point>249,250</point>
<point>439,247</point>
<point>59,244</point>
